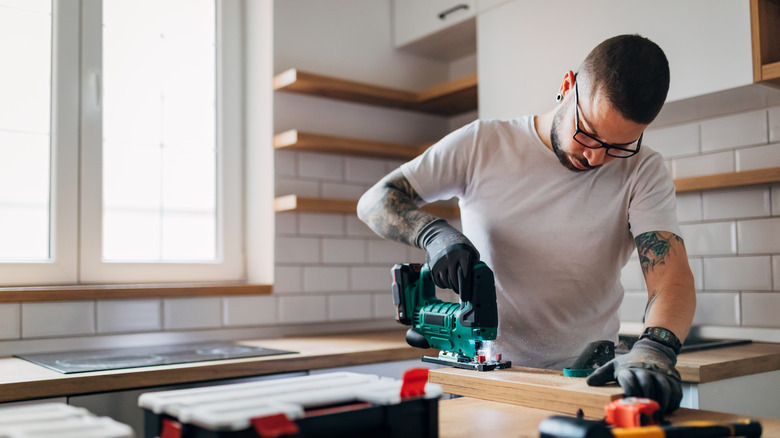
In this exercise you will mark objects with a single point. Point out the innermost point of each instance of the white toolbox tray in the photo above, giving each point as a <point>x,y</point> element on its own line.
<point>232,407</point>
<point>58,420</point>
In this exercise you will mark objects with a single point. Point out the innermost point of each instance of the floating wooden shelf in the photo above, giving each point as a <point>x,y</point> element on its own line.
<point>321,205</point>
<point>448,99</point>
<point>303,141</point>
<point>728,180</point>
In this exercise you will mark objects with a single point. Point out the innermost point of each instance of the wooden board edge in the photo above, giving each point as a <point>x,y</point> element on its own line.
<point>728,180</point>
<point>123,292</point>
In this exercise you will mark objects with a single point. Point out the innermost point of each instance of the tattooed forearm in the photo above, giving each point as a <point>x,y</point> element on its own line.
<point>390,209</point>
<point>653,247</point>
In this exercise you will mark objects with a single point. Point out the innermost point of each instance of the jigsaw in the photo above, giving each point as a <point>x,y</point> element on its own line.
<point>464,332</point>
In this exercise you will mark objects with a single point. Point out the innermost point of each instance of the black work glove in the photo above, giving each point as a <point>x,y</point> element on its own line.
<point>645,371</point>
<point>450,255</point>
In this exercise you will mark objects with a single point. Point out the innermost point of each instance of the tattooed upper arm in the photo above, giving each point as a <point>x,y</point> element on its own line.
<point>390,208</point>
<point>653,247</point>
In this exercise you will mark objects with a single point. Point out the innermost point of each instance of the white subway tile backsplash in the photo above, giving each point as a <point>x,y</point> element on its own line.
<point>343,190</point>
<point>674,141</point>
<point>286,223</point>
<point>718,238</point>
<point>58,319</point>
<point>391,165</point>
<point>345,307</point>
<point>10,321</point>
<point>304,309</point>
<point>116,316</point>
<point>325,279</point>
<point>717,309</point>
<point>284,163</point>
<point>758,157</point>
<point>744,129</point>
<point>760,309</point>
<point>774,124</point>
<point>343,251</point>
<point>285,186</point>
<point>631,276</point>
<point>321,224</point>
<point>735,204</point>
<point>365,170</point>
<point>327,167</point>
<point>249,310</point>
<point>776,200</point>
<point>387,252</point>
<point>689,207</point>
<point>366,278</point>
<point>356,228</point>
<point>383,306</point>
<point>721,162</point>
<point>697,268</point>
<point>288,279</point>
<point>632,308</point>
<point>761,236</point>
<point>776,271</point>
<point>192,313</point>
<point>297,250</point>
<point>737,273</point>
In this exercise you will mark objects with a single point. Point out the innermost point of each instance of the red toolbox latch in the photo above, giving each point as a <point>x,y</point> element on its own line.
<point>274,426</point>
<point>414,381</point>
<point>170,429</point>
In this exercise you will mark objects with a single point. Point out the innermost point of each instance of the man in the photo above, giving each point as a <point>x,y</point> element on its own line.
<point>556,204</point>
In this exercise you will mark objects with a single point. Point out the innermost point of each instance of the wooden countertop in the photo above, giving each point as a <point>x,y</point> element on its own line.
<point>728,362</point>
<point>468,417</point>
<point>550,390</point>
<point>22,380</point>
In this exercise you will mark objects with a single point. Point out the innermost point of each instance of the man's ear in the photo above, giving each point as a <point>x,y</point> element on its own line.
<point>567,84</point>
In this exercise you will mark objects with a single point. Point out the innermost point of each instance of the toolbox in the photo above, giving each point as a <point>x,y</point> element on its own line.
<point>58,420</point>
<point>339,404</point>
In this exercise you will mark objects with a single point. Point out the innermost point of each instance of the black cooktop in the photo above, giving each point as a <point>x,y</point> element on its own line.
<point>67,362</point>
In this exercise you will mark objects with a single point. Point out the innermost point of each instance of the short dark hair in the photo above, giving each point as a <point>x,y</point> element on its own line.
<point>632,72</point>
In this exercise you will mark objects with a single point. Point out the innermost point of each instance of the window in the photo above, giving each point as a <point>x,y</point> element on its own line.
<point>120,157</point>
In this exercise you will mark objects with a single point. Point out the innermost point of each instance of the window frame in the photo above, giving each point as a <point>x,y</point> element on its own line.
<point>76,161</point>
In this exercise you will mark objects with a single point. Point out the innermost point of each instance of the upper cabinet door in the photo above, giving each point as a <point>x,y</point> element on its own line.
<point>440,29</point>
<point>526,46</point>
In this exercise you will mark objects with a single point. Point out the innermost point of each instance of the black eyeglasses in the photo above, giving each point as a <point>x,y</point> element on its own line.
<point>623,150</point>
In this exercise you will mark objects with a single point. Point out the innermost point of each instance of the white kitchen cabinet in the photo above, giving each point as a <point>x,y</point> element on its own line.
<point>526,46</point>
<point>439,29</point>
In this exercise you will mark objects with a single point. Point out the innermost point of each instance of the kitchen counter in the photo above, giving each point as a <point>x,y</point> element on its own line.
<point>468,417</point>
<point>741,379</point>
<point>22,380</point>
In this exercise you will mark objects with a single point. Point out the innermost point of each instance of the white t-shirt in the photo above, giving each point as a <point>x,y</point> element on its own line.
<point>555,239</point>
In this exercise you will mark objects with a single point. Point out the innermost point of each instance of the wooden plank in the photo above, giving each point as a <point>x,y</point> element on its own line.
<point>127,291</point>
<point>304,141</point>
<point>22,380</point>
<point>729,362</point>
<point>467,417</point>
<point>344,206</point>
<point>324,86</point>
<point>447,99</point>
<point>531,387</point>
<point>728,180</point>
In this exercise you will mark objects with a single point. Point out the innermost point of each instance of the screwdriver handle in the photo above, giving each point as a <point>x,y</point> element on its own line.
<point>693,429</point>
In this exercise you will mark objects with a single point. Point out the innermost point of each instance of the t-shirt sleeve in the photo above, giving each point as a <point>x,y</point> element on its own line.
<point>653,206</point>
<point>442,171</point>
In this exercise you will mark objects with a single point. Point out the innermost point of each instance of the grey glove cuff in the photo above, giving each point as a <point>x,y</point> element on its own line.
<point>657,347</point>
<point>430,231</point>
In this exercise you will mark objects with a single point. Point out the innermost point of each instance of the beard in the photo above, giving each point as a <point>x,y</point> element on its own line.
<point>565,157</point>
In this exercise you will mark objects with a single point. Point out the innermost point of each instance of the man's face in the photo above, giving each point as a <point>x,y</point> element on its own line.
<point>598,119</point>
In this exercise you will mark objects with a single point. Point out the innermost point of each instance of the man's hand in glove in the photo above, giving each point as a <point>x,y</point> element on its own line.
<point>645,371</point>
<point>450,255</point>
